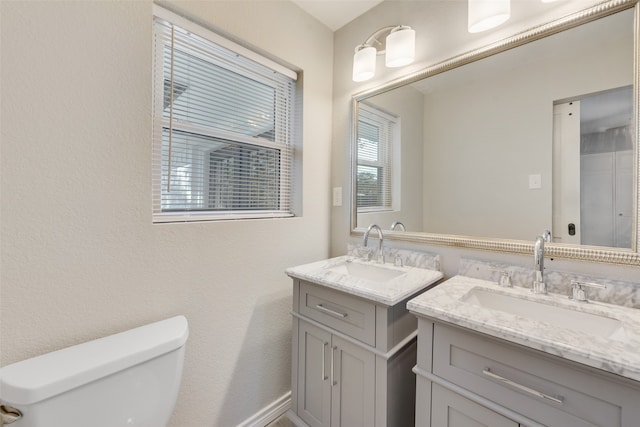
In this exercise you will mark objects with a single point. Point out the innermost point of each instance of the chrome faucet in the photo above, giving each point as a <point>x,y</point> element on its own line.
<point>380,257</point>
<point>577,290</point>
<point>399,225</point>
<point>539,286</point>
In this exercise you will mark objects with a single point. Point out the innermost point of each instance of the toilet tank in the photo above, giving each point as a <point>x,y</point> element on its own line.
<point>127,379</point>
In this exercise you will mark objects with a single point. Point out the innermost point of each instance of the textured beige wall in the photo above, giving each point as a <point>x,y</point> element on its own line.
<point>80,257</point>
<point>440,34</point>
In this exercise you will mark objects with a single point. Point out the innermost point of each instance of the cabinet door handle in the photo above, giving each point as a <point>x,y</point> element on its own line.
<point>333,378</point>
<point>331,312</point>
<point>324,364</point>
<point>555,399</point>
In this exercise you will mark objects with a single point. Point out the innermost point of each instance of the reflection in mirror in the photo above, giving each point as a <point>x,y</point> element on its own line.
<point>476,151</point>
<point>593,169</point>
<point>377,139</point>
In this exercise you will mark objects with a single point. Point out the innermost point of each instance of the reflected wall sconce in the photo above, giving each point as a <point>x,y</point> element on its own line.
<point>487,14</point>
<point>397,43</point>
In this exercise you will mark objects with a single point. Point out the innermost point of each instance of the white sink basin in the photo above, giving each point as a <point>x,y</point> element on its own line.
<point>386,284</point>
<point>367,271</point>
<point>560,316</point>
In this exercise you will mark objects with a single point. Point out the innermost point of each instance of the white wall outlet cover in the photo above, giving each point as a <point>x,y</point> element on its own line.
<point>535,182</point>
<point>337,196</point>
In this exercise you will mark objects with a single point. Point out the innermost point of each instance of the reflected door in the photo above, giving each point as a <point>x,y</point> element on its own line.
<point>566,173</point>
<point>623,201</point>
<point>607,182</point>
<point>597,186</point>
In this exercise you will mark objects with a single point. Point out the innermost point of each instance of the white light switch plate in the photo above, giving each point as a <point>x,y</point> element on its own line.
<point>535,182</point>
<point>337,196</point>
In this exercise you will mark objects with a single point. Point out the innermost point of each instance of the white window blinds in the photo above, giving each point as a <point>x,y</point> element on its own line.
<point>223,125</point>
<point>374,171</point>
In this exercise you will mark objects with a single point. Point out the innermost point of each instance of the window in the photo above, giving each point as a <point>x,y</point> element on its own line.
<point>375,138</point>
<point>223,127</point>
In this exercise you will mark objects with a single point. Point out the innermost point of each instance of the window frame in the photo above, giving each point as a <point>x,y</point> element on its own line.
<point>286,185</point>
<point>388,124</point>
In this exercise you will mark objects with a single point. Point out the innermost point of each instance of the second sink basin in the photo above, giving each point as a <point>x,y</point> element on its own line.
<point>560,316</point>
<point>367,271</point>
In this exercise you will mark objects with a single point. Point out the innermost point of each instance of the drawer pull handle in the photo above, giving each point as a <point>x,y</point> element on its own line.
<point>333,362</point>
<point>324,364</point>
<point>331,312</point>
<point>556,399</point>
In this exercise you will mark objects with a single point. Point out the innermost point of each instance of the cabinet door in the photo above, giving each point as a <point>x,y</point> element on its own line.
<point>353,383</point>
<point>314,365</point>
<point>449,409</point>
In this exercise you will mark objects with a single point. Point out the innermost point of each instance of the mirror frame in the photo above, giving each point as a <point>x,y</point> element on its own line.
<point>566,251</point>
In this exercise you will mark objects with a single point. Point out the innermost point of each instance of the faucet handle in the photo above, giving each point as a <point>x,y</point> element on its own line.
<point>398,261</point>
<point>577,290</point>
<point>399,225</point>
<point>505,276</point>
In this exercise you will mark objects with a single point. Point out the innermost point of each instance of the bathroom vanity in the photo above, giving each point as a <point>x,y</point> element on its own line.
<point>354,342</point>
<point>503,356</point>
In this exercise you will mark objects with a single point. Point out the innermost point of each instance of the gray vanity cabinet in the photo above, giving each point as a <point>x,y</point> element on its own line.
<point>452,410</point>
<point>352,360</point>
<point>353,396</point>
<point>464,375</point>
<point>335,380</point>
<point>314,391</point>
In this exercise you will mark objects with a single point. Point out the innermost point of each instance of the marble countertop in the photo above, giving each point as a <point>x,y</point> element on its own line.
<point>618,353</point>
<point>389,292</point>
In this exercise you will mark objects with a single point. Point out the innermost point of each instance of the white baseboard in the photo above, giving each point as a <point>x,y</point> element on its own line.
<point>297,421</point>
<point>270,413</point>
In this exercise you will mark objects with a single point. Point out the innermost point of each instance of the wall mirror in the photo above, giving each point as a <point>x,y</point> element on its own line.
<point>490,148</point>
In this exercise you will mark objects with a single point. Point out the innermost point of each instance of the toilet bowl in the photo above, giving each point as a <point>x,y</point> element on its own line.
<point>127,379</point>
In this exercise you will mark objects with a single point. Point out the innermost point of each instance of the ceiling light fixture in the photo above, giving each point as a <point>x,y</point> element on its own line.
<point>397,42</point>
<point>487,14</point>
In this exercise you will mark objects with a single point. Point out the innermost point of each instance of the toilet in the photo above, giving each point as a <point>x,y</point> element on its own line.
<point>127,379</point>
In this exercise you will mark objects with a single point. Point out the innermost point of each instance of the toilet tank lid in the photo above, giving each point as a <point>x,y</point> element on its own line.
<point>41,377</point>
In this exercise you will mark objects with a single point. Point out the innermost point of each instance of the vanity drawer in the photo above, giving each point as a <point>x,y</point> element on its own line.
<point>343,312</point>
<point>545,388</point>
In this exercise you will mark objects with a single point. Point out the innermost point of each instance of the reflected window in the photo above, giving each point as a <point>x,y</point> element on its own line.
<point>376,136</point>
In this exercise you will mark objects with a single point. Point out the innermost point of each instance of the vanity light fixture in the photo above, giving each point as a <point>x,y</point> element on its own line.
<point>487,14</point>
<point>397,42</point>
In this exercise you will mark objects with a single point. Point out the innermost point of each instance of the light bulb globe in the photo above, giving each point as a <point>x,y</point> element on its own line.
<point>401,47</point>
<point>487,14</point>
<point>364,63</point>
